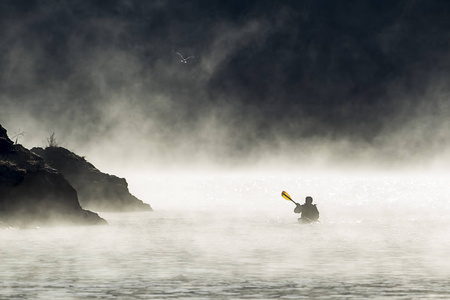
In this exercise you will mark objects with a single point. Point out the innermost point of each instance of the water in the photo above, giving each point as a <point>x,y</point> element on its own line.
<point>234,237</point>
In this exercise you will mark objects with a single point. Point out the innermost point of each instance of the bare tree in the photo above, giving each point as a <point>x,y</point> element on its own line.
<point>52,141</point>
<point>18,135</point>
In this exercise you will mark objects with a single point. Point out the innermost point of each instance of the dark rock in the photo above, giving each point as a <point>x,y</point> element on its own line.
<point>34,194</point>
<point>96,190</point>
<point>5,143</point>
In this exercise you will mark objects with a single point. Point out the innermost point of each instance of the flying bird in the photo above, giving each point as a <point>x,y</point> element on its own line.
<point>184,60</point>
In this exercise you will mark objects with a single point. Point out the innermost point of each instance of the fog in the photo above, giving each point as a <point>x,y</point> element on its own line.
<point>272,85</point>
<point>344,102</point>
<point>233,237</point>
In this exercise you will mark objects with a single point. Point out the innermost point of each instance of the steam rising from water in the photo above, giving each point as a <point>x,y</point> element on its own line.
<point>379,236</point>
<point>338,101</point>
<point>264,91</point>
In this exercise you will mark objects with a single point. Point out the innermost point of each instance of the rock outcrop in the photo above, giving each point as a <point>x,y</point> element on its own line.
<point>97,191</point>
<point>34,194</point>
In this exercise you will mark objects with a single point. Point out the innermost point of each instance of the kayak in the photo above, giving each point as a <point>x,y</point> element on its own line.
<point>307,221</point>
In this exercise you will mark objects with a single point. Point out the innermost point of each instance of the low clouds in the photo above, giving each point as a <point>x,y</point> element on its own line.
<point>281,80</point>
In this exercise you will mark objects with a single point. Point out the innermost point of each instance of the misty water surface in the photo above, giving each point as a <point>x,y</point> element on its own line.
<point>234,237</point>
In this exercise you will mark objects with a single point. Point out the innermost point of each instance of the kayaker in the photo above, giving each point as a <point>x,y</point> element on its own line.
<point>309,211</point>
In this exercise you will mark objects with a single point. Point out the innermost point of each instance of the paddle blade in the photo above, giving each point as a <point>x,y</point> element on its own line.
<point>286,196</point>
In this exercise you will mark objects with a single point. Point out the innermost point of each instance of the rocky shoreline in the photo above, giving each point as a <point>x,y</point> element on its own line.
<point>97,191</point>
<point>54,186</point>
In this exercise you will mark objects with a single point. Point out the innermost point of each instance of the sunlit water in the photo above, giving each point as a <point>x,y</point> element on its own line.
<point>234,237</point>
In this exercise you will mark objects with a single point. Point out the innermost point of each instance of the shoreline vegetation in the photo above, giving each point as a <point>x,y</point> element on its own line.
<point>53,186</point>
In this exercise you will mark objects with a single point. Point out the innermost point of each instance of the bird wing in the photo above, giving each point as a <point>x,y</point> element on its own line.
<point>180,54</point>
<point>190,57</point>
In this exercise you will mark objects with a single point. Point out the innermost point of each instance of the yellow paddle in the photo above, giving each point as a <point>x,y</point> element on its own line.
<point>286,196</point>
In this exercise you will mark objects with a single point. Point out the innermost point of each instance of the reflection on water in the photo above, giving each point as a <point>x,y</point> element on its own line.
<point>391,247</point>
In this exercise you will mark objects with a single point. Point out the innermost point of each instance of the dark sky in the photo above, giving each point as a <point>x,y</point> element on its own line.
<point>280,77</point>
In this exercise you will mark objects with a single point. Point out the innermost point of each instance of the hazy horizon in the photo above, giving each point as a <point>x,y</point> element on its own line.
<point>274,85</point>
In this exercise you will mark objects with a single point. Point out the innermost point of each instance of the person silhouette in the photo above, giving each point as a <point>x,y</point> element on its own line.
<point>309,211</point>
